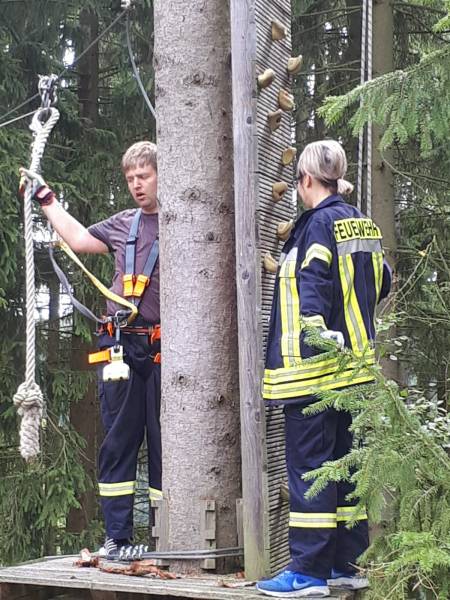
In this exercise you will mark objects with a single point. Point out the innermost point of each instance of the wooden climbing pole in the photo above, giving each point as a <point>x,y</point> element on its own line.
<point>264,208</point>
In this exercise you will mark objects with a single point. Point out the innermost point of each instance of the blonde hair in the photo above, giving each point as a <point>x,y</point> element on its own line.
<point>138,155</point>
<point>325,160</point>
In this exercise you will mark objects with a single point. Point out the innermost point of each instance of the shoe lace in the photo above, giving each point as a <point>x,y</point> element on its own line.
<point>283,576</point>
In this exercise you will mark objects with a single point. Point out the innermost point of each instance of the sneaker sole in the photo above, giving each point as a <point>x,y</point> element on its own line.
<point>311,592</point>
<point>348,583</point>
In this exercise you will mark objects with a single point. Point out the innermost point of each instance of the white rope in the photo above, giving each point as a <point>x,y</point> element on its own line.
<point>28,398</point>
<point>362,80</point>
<point>365,135</point>
<point>369,123</point>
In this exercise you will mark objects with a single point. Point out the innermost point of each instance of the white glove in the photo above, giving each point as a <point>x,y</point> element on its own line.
<point>336,336</point>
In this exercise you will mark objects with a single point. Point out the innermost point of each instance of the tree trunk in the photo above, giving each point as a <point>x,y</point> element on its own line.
<point>88,68</point>
<point>383,204</point>
<point>383,210</point>
<point>84,415</point>
<point>200,407</point>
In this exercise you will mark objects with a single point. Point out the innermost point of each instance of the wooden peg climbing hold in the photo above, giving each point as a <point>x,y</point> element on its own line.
<point>274,119</point>
<point>294,64</point>
<point>285,100</point>
<point>266,78</point>
<point>278,190</point>
<point>279,31</point>
<point>288,155</point>
<point>284,229</point>
<point>270,264</point>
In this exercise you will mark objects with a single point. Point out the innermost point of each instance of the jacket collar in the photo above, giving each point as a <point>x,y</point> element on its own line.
<point>335,199</point>
<point>327,202</point>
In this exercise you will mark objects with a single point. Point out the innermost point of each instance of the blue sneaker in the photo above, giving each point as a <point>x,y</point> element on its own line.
<point>290,584</point>
<point>347,581</point>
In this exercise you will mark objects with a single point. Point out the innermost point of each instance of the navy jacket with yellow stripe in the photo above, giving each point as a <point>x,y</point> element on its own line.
<point>331,275</point>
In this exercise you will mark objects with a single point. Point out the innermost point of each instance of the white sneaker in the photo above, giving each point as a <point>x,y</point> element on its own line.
<point>347,581</point>
<point>111,547</point>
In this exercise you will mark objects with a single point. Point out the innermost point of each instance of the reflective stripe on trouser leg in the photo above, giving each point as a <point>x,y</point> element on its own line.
<point>155,494</point>
<point>310,441</point>
<point>121,488</point>
<point>350,542</point>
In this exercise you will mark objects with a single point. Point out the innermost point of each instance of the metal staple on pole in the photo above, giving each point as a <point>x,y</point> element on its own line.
<point>28,398</point>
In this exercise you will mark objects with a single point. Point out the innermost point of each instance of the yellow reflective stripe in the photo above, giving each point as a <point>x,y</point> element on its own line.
<point>290,311</point>
<point>284,296</point>
<point>295,317</point>
<point>311,368</point>
<point>317,251</point>
<point>346,513</point>
<point>352,312</point>
<point>312,386</point>
<point>312,520</point>
<point>123,488</point>
<point>155,494</point>
<point>314,321</point>
<point>377,261</point>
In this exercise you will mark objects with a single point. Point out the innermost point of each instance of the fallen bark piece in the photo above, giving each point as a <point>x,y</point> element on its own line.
<point>86,559</point>
<point>137,568</point>
<point>232,583</point>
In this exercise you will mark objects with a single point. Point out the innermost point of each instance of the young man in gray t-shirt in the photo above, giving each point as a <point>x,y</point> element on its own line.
<point>130,409</point>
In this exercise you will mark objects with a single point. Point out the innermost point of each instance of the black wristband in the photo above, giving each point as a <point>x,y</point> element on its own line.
<point>44,195</point>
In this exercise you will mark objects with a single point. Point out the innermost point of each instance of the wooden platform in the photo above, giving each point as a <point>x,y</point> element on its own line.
<point>59,579</point>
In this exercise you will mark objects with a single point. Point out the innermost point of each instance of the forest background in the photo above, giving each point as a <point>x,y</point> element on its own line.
<point>51,506</point>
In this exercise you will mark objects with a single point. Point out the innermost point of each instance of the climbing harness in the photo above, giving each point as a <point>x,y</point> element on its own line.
<point>118,370</point>
<point>28,398</point>
<point>121,318</point>
<point>135,285</point>
<point>365,136</point>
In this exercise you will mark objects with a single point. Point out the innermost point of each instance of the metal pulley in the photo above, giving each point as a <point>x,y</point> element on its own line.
<point>47,91</point>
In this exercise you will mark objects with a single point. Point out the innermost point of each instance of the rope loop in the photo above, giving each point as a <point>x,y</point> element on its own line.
<point>29,402</point>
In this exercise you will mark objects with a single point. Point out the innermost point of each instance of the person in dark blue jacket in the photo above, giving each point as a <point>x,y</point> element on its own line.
<point>331,276</point>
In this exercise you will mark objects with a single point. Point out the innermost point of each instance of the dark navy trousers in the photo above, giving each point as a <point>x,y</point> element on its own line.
<point>318,537</point>
<point>129,409</point>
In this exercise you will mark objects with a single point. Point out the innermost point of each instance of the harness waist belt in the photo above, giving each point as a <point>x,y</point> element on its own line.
<point>152,331</point>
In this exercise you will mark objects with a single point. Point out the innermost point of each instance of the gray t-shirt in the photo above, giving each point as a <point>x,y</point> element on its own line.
<point>114,233</point>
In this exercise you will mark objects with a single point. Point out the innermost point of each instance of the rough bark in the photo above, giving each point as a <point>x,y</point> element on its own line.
<point>383,210</point>
<point>89,428</point>
<point>200,406</point>
<point>88,68</point>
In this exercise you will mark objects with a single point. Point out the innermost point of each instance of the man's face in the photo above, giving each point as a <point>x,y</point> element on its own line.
<point>142,183</point>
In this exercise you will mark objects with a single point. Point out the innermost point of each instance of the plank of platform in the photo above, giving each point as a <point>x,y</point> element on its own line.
<point>34,581</point>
